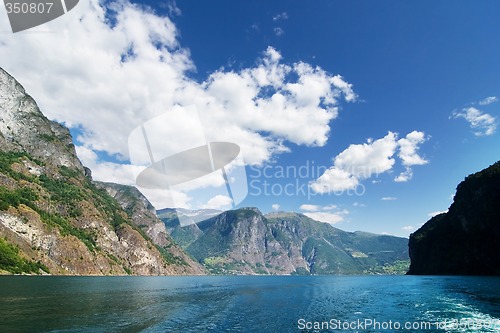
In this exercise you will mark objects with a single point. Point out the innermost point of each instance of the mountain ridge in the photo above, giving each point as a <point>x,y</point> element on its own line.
<point>245,241</point>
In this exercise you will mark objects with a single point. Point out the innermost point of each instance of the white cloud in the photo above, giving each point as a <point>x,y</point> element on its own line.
<point>328,214</point>
<point>388,198</point>
<point>407,228</point>
<point>219,202</point>
<point>488,100</point>
<point>244,110</point>
<point>109,69</point>
<point>404,176</point>
<point>325,217</point>
<point>108,171</point>
<point>362,161</point>
<point>275,207</point>
<point>334,180</point>
<point>168,199</point>
<point>87,156</point>
<point>408,149</point>
<point>310,208</point>
<point>481,123</point>
<point>432,214</point>
<point>372,158</point>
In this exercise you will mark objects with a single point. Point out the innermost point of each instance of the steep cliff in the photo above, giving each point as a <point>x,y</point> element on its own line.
<point>244,241</point>
<point>466,239</point>
<point>53,219</point>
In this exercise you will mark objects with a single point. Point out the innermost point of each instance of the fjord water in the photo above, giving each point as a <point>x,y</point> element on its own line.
<point>247,303</point>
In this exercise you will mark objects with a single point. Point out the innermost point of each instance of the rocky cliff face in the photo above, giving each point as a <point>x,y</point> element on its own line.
<point>246,242</point>
<point>52,216</point>
<point>24,128</point>
<point>466,239</point>
<point>143,215</point>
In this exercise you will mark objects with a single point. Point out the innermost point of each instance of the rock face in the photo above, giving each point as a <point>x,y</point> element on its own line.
<point>244,241</point>
<point>143,215</point>
<point>466,239</point>
<point>54,217</point>
<point>24,128</point>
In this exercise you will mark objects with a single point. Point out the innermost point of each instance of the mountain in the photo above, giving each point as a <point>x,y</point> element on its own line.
<point>172,216</point>
<point>466,239</point>
<point>55,219</point>
<point>189,231</point>
<point>245,241</point>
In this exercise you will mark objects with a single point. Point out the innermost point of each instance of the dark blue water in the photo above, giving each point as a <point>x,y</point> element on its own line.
<point>250,304</point>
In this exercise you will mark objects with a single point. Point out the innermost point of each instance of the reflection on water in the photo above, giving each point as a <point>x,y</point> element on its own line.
<point>243,304</point>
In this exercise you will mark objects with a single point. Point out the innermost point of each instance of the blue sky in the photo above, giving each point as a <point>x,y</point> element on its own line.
<point>422,67</point>
<point>411,63</point>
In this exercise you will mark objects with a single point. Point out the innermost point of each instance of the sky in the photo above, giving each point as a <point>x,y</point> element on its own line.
<point>362,114</point>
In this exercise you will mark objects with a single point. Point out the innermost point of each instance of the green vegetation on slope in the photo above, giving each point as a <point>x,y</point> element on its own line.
<point>61,192</point>
<point>12,262</point>
<point>16,197</point>
<point>169,257</point>
<point>66,193</point>
<point>399,267</point>
<point>9,158</point>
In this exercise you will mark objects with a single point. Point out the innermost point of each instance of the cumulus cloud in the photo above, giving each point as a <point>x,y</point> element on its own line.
<point>107,68</point>
<point>408,228</point>
<point>362,161</point>
<point>388,198</point>
<point>404,176</point>
<point>219,202</point>
<point>488,100</point>
<point>275,207</point>
<point>371,158</point>
<point>481,123</point>
<point>328,214</point>
<point>334,180</point>
<point>408,148</point>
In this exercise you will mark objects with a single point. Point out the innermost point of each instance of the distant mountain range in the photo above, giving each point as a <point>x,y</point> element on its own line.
<point>244,241</point>
<point>466,239</point>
